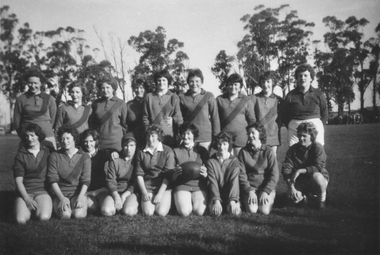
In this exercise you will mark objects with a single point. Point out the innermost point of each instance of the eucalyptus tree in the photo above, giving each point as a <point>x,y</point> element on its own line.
<point>158,53</point>
<point>222,68</point>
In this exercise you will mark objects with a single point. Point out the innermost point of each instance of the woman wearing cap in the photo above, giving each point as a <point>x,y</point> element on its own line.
<point>97,191</point>
<point>190,195</point>
<point>35,106</point>
<point>154,166</point>
<point>29,170</point>
<point>109,115</point>
<point>305,103</point>
<point>259,173</point>
<point>120,181</point>
<point>75,112</point>
<point>135,110</point>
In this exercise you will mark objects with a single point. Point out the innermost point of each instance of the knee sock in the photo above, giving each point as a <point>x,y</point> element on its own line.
<point>322,196</point>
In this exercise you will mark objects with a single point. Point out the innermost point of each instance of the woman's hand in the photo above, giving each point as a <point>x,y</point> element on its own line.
<point>118,202</point>
<point>124,196</point>
<point>146,197</point>
<point>63,204</point>
<point>31,204</point>
<point>177,172</point>
<point>169,121</point>
<point>78,202</point>
<point>263,198</point>
<point>217,208</point>
<point>114,155</point>
<point>252,197</point>
<point>157,198</point>
<point>203,171</point>
<point>294,194</point>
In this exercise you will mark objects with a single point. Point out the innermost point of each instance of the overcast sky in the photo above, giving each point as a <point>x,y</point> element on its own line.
<point>205,26</point>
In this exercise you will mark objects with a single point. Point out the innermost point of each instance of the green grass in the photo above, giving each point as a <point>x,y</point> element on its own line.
<point>350,224</point>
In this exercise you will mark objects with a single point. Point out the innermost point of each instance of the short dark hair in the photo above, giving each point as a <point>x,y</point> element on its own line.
<point>109,79</point>
<point>32,127</point>
<point>70,130</point>
<point>303,68</point>
<point>90,132</point>
<point>154,129</point>
<point>34,72</point>
<point>235,78</point>
<point>261,129</point>
<point>195,73</point>
<point>80,84</point>
<point>268,75</point>
<point>308,128</point>
<point>224,137</point>
<point>189,126</point>
<point>163,74</point>
<point>140,81</point>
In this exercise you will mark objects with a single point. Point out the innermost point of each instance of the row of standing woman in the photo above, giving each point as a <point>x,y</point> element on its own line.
<point>231,112</point>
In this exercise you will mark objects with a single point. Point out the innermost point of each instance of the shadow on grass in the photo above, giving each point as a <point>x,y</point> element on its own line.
<point>6,205</point>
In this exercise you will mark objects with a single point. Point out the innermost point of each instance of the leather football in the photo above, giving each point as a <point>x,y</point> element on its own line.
<point>191,170</point>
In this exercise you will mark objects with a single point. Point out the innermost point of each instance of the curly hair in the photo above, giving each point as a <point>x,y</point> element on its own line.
<point>188,126</point>
<point>80,84</point>
<point>109,79</point>
<point>195,73</point>
<point>268,75</point>
<point>90,132</point>
<point>303,68</point>
<point>34,72</point>
<point>261,129</point>
<point>70,130</point>
<point>32,127</point>
<point>224,137</point>
<point>154,129</point>
<point>308,128</point>
<point>235,78</point>
<point>163,74</point>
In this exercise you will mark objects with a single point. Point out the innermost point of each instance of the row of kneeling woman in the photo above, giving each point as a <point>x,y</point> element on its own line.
<point>72,181</point>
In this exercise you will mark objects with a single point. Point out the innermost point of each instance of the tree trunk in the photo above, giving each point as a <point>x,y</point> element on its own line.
<point>374,93</point>
<point>361,101</point>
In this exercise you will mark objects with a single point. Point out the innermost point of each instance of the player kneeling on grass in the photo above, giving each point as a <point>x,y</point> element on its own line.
<point>29,169</point>
<point>223,176</point>
<point>154,166</point>
<point>259,174</point>
<point>190,183</point>
<point>304,167</point>
<point>120,181</point>
<point>69,173</point>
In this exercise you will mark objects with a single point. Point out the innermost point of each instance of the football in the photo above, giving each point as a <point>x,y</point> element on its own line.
<point>191,170</point>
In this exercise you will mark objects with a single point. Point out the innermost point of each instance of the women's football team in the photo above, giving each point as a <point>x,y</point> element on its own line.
<point>116,157</point>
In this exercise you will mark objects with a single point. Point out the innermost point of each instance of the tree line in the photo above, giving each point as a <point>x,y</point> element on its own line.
<point>276,39</point>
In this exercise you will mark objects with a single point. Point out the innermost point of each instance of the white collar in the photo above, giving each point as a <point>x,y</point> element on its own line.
<point>159,148</point>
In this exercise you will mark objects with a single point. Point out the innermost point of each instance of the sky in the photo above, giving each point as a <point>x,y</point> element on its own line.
<point>205,26</point>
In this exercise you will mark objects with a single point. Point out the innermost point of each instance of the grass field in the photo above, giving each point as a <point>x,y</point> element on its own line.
<point>350,224</point>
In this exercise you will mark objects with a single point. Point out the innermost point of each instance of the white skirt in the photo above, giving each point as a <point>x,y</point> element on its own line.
<point>292,130</point>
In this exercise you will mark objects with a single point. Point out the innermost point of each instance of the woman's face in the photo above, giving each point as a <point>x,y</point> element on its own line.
<point>139,91</point>
<point>152,139</point>
<point>254,138</point>
<point>195,84</point>
<point>67,141</point>
<point>130,149</point>
<point>222,146</point>
<point>304,139</point>
<point>76,94</point>
<point>187,137</point>
<point>34,84</point>
<point>89,144</point>
<point>31,139</point>
<point>107,90</point>
<point>267,86</point>
<point>304,79</point>
<point>162,84</point>
<point>234,88</point>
